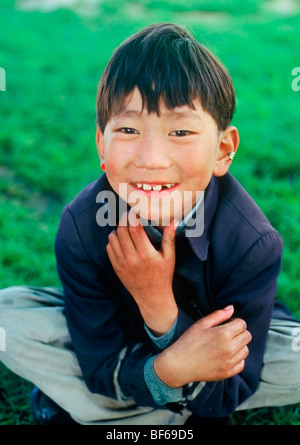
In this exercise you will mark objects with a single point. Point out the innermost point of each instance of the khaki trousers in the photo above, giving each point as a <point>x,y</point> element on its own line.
<point>35,344</point>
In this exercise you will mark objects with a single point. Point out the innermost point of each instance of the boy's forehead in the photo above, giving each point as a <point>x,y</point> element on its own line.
<point>133,107</point>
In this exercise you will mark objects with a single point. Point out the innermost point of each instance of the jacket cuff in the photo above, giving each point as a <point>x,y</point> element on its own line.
<point>181,324</point>
<point>161,393</point>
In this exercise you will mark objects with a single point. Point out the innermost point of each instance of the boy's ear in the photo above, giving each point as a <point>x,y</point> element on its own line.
<point>100,143</point>
<point>228,143</point>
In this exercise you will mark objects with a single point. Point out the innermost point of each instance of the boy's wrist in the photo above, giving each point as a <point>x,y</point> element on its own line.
<point>165,368</point>
<point>160,322</point>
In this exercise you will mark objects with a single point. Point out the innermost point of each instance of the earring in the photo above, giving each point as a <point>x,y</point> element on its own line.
<point>231,155</point>
<point>102,165</point>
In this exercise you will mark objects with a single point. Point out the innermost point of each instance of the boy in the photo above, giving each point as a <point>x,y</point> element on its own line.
<point>168,267</point>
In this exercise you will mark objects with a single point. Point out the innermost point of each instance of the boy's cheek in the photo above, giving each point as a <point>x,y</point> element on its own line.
<point>114,171</point>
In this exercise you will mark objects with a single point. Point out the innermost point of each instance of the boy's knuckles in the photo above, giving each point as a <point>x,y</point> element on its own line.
<point>230,367</point>
<point>249,337</point>
<point>240,367</point>
<point>246,352</point>
<point>238,324</point>
<point>224,336</point>
<point>225,372</point>
<point>131,262</point>
<point>145,254</point>
<point>243,325</point>
<point>119,266</point>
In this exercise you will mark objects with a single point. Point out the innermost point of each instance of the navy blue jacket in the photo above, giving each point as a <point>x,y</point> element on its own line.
<point>235,261</point>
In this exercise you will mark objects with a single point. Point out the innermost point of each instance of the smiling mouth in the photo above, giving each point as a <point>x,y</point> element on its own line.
<point>154,187</point>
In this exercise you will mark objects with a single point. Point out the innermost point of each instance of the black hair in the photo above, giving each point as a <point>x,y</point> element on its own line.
<point>165,62</point>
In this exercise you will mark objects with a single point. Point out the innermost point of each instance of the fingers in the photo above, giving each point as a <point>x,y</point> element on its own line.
<point>131,237</point>
<point>233,356</point>
<point>240,343</point>
<point>235,333</point>
<point>137,233</point>
<point>238,360</point>
<point>232,337</point>
<point>237,369</point>
<point>222,319</point>
<point>128,236</point>
<point>217,317</point>
<point>235,327</point>
<point>168,241</point>
<point>238,351</point>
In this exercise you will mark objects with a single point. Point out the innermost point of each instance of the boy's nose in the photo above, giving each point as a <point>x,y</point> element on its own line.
<point>153,155</point>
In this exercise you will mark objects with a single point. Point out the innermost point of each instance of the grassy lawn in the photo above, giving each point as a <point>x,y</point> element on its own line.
<point>53,61</point>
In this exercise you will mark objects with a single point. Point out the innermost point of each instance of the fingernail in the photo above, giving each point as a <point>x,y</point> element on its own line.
<point>228,308</point>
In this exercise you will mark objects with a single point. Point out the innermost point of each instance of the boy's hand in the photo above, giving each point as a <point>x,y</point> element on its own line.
<point>145,272</point>
<point>208,351</point>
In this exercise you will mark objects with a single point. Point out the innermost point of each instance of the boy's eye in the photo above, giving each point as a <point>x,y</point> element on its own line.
<point>180,133</point>
<point>128,130</point>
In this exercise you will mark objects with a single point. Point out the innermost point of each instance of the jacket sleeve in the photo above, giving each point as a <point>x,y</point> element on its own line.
<point>111,348</point>
<point>251,288</point>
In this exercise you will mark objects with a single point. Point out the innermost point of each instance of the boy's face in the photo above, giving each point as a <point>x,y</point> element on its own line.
<point>160,165</point>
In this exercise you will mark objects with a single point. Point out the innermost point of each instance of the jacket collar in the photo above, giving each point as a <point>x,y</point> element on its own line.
<point>200,244</point>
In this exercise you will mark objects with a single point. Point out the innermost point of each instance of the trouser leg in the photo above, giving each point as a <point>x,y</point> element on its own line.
<point>38,348</point>
<point>280,376</point>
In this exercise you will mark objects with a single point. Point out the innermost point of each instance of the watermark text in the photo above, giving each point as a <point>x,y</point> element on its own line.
<point>153,208</point>
<point>296,78</point>
<point>2,340</point>
<point>2,79</point>
<point>296,340</point>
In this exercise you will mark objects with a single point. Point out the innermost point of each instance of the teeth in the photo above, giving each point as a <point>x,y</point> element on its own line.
<point>148,187</point>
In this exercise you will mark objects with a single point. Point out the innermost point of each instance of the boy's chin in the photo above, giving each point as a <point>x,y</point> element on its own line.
<point>158,221</point>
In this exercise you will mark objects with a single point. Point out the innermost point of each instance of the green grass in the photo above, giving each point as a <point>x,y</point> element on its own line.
<point>47,122</point>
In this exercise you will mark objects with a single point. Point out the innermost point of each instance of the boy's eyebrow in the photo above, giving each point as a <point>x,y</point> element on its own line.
<point>128,113</point>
